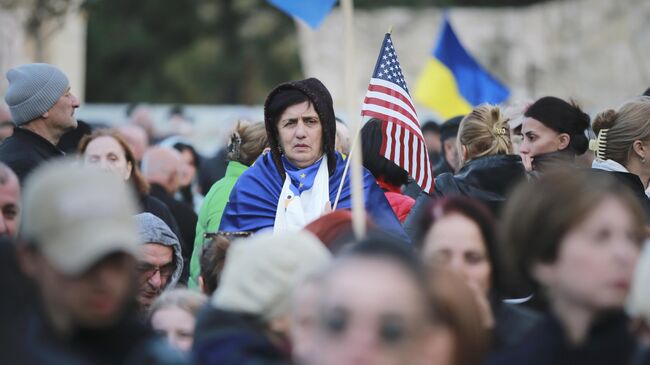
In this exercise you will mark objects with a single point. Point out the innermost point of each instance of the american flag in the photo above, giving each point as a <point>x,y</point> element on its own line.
<point>388,99</point>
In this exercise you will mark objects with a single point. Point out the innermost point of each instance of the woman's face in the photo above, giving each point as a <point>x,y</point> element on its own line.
<point>301,134</point>
<point>106,153</point>
<point>177,325</point>
<point>189,168</point>
<point>540,139</point>
<point>595,260</point>
<point>371,312</point>
<point>455,242</point>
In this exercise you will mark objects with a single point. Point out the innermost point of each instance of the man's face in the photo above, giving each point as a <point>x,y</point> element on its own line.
<point>61,114</point>
<point>93,299</point>
<point>432,141</point>
<point>10,206</point>
<point>155,268</point>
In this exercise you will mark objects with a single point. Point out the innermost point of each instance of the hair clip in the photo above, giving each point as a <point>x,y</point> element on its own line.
<point>235,146</point>
<point>500,131</point>
<point>599,145</point>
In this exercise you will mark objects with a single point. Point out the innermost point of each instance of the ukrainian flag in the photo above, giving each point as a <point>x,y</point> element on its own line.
<point>453,82</point>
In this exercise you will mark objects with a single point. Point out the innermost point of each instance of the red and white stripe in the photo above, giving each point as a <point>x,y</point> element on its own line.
<point>403,142</point>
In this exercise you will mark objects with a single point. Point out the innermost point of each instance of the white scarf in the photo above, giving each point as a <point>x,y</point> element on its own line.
<point>611,165</point>
<point>295,212</point>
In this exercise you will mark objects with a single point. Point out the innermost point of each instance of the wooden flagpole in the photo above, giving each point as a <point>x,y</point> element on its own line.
<point>356,175</point>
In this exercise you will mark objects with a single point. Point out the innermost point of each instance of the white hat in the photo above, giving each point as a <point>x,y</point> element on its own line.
<point>261,272</point>
<point>76,215</point>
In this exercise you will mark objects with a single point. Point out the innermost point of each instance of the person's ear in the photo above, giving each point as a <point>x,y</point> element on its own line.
<point>45,115</point>
<point>202,285</point>
<point>563,141</point>
<point>129,170</point>
<point>543,273</point>
<point>639,149</point>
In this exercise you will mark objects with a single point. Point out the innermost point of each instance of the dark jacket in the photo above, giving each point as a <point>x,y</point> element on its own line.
<point>442,167</point>
<point>128,342</point>
<point>608,343</point>
<point>184,216</point>
<point>25,150</point>
<point>512,323</point>
<point>487,179</point>
<point>633,182</point>
<point>230,338</point>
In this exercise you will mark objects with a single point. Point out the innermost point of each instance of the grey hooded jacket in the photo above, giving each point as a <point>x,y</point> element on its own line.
<point>153,230</point>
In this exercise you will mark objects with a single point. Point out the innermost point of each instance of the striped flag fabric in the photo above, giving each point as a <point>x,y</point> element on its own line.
<point>388,99</point>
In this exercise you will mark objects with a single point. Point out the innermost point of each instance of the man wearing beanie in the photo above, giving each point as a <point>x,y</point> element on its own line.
<point>42,107</point>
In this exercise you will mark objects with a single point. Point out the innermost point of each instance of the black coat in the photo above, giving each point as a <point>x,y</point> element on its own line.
<point>25,150</point>
<point>149,204</point>
<point>231,338</point>
<point>633,182</point>
<point>184,216</point>
<point>487,179</point>
<point>609,342</point>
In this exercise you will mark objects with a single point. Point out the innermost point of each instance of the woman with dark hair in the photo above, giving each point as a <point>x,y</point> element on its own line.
<point>576,236</point>
<point>390,177</point>
<point>106,149</point>
<point>554,134</point>
<point>298,180</point>
<point>458,233</point>
<point>189,191</point>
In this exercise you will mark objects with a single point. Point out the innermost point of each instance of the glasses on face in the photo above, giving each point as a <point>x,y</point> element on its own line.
<point>391,329</point>
<point>147,271</point>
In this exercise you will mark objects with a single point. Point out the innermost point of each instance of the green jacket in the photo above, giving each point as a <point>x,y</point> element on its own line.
<point>210,214</point>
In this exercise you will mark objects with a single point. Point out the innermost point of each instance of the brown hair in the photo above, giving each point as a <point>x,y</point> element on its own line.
<point>484,132</point>
<point>631,123</point>
<point>247,142</point>
<point>456,309</point>
<point>540,213</point>
<point>139,183</point>
<point>213,258</point>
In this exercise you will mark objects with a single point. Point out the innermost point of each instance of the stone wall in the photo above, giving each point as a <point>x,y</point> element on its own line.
<point>596,51</point>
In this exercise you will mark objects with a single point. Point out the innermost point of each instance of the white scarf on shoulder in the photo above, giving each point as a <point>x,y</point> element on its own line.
<point>611,165</point>
<point>294,212</point>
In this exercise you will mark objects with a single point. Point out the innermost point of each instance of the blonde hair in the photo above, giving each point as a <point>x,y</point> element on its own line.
<point>484,132</point>
<point>247,142</point>
<point>185,299</point>
<point>631,123</point>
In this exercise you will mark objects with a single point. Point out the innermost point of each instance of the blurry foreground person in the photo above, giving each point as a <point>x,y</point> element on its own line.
<point>459,336</point>
<point>246,144</point>
<point>639,301</point>
<point>578,238</point>
<point>373,308</point>
<point>107,150</point>
<point>42,106</point>
<point>623,146</point>
<point>554,134</point>
<point>79,248</point>
<point>248,318</point>
<point>173,315</point>
<point>160,262</point>
<point>458,235</point>
<point>9,202</point>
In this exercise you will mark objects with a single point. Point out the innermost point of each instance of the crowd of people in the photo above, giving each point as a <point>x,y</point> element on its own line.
<point>122,246</point>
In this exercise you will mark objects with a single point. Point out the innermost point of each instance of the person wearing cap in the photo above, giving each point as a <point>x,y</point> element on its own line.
<point>42,106</point>
<point>297,181</point>
<point>79,249</point>
<point>160,263</point>
<point>248,319</point>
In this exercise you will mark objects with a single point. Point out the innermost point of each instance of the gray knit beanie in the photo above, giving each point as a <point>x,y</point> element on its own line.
<point>33,89</point>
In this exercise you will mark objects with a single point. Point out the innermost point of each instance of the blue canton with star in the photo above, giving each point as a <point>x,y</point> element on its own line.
<point>388,67</point>
<point>301,179</point>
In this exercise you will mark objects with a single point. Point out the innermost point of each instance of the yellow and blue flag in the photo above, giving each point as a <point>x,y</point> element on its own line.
<point>311,12</point>
<point>453,82</point>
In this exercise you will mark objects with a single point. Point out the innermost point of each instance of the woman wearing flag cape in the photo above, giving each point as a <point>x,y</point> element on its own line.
<point>297,181</point>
